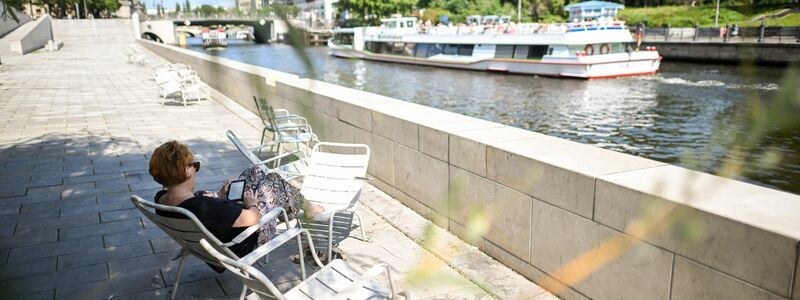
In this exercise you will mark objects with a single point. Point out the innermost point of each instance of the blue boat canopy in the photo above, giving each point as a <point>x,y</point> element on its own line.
<point>594,5</point>
<point>593,11</point>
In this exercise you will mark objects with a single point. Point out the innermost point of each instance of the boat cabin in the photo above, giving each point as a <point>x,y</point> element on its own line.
<point>401,22</point>
<point>599,11</point>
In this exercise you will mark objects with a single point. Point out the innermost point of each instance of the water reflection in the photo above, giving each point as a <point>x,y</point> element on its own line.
<point>668,117</point>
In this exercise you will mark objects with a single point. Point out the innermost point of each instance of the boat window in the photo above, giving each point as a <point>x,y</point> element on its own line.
<point>451,49</point>
<point>550,51</point>
<point>521,52</point>
<point>422,50</point>
<point>465,50</point>
<point>374,47</point>
<point>396,48</point>
<point>410,24</point>
<point>408,49</point>
<point>537,51</point>
<point>504,51</point>
<point>435,49</point>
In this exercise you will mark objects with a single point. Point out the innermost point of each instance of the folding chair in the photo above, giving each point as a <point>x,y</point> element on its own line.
<point>333,281</point>
<point>288,171</point>
<point>189,231</point>
<point>334,180</point>
<point>285,127</point>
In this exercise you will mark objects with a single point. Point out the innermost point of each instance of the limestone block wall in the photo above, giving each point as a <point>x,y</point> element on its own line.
<point>550,201</point>
<point>765,53</point>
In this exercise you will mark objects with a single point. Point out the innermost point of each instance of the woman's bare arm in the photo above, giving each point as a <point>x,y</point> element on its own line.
<point>250,214</point>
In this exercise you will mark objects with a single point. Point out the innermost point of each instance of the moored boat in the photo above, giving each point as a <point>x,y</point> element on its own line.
<point>214,38</point>
<point>593,45</point>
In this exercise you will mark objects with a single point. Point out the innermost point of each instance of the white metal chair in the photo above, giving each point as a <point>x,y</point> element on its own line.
<point>288,171</point>
<point>334,180</point>
<point>286,128</point>
<point>189,231</point>
<point>333,281</point>
<point>184,89</point>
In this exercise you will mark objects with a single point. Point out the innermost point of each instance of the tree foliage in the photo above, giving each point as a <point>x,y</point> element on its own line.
<point>376,9</point>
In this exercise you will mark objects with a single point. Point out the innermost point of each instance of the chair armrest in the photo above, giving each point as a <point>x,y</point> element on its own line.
<point>274,243</point>
<point>365,278</point>
<point>281,111</point>
<point>271,159</point>
<point>272,214</point>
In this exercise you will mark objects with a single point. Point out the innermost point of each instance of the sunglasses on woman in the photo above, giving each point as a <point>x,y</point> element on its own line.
<point>195,165</point>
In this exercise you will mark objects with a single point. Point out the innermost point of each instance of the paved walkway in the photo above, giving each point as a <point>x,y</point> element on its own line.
<point>76,128</point>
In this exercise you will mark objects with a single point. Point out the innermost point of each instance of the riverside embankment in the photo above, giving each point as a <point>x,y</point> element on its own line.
<point>545,201</point>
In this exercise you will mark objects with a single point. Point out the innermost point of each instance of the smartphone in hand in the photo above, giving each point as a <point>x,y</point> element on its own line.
<point>236,190</point>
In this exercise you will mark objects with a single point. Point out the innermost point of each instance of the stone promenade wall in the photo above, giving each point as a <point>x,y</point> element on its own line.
<point>549,200</point>
<point>772,54</point>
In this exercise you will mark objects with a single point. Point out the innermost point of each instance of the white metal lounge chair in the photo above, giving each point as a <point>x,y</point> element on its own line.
<point>334,180</point>
<point>189,231</point>
<point>286,128</point>
<point>185,90</point>
<point>333,281</point>
<point>288,171</point>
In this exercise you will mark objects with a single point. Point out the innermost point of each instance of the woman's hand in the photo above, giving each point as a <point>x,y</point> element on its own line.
<point>249,198</point>
<point>223,191</point>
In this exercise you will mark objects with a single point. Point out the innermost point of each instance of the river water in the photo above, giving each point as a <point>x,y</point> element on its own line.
<point>682,115</point>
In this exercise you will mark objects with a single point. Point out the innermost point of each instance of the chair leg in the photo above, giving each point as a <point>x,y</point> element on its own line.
<point>178,277</point>
<point>302,256</point>
<point>364,236</point>
<point>244,292</point>
<point>330,237</point>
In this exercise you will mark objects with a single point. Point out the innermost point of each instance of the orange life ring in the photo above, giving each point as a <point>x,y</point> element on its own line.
<point>589,49</point>
<point>604,49</point>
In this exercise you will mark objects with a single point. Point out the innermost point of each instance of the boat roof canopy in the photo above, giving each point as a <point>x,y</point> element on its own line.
<point>594,5</point>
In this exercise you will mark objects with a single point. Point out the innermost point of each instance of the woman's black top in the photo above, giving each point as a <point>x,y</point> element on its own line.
<point>218,216</point>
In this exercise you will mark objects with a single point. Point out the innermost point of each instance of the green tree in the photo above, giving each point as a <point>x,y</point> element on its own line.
<point>177,8</point>
<point>187,7</point>
<point>460,9</point>
<point>206,10</point>
<point>10,9</point>
<point>368,9</point>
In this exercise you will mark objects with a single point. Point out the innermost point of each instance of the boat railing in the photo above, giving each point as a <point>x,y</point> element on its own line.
<point>499,29</point>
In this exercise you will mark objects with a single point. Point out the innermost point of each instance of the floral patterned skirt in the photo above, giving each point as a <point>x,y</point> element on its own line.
<point>272,191</point>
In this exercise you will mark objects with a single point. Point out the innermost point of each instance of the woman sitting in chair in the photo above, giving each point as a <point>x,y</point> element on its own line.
<point>172,166</point>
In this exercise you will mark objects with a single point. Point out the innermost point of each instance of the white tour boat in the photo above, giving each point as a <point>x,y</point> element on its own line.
<point>593,45</point>
<point>214,38</point>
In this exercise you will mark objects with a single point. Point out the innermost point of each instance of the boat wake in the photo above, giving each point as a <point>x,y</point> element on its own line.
<point>713,83</point>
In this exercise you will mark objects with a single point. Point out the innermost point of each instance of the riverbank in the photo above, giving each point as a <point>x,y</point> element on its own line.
<point>703,15</point>
<point>613,226</point>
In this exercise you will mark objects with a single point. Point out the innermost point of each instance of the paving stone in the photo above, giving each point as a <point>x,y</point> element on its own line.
<point>204,289</point>
<point>9,209</point>
<point>121,214</point>
<point>27,226</point>
<point>127,237</point>
<point>193,270</point>
<point>164,244</point>
<point>100,229</point>
<point>147,262</point>
<point>57,204</point>
<point>93,256</point>
<point>96,208</point>
<point>28,268</point>
<point>56,280</point>
<point>7,229</point>
<point>27,239</point>
<point>54,249</point>
<point>123,284</point>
